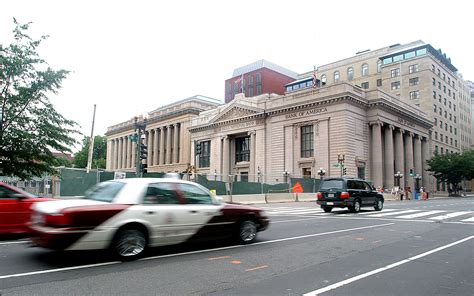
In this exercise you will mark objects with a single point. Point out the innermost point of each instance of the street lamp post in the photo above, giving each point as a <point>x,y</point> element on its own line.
<point>340,160</point>
<point>417,178</point>
<point>259,174</point>
<point>398,175</point>
<point>321,173</point>
<point>286,174</point>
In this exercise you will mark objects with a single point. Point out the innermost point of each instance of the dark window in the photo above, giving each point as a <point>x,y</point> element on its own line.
<point>193,194</point>
<point>259,83</point>
<point>307,141</point>
<point>364,85</point>
<point>379,82</point>
<point>414,95</point>
<point>242,149</point>
<point>350,73</point>
<point>332,184</point>
<point>395,85</point>
<point>105,191</point>
<point>365,70</point>
<point>161,193</point>
<point>413,68</point>
<point>244,176</point>
<point>395,72</point>
<point>361,173</point>
<point>336,76</point>
<point>205,156</point>
<point>413,81</point>
<point>250,86</point>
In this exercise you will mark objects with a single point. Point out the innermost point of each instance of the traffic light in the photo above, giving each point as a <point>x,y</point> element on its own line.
<point>144,168</point>
<point>344,171</point>
<point>411,173</point>
<point>198,148</point>
<point>143,151</point>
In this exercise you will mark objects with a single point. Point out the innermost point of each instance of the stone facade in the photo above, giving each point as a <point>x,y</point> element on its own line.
<point>166,136</point>
<point>379,135</point>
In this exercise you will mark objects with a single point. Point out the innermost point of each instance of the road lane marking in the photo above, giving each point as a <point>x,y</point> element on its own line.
<point>295,220</point>
<point>378,270</point>
<point>12,243</point>
<point>450,215</point>
<point>468,220</point>
<point>235,262</point>
<point>427,213</point>
<point>393,213</point>
<point>372,212</point>
<point>193,252</point>
<point>257,268</point>
<point>218,258</point>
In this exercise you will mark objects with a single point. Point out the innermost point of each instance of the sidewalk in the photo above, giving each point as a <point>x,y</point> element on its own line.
<point>438,195</point>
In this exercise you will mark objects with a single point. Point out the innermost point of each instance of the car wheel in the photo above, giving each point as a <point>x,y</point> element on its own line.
<point>129,243</point>
<point>327,209</point>
<point>247,232</point>
<point>356,207</point>
<point>378,204</point>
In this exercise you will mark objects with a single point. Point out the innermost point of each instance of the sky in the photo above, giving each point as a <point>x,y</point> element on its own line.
<point>131,57</point>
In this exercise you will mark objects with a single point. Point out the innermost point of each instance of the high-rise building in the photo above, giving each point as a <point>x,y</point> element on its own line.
<point>416,73</point>
<point>261,77</point>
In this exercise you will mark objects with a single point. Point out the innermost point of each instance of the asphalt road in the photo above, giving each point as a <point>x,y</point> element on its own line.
<point>410,248</point>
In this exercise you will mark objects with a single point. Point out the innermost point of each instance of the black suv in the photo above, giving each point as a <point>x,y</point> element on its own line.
<point>350,193</point>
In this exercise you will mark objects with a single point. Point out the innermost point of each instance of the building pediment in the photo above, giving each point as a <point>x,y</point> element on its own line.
<point>236,111</point>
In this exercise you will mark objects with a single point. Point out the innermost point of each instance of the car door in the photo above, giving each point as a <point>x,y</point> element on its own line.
<point>371,193</point>
<point>9,209</point>
<point>353,189</point>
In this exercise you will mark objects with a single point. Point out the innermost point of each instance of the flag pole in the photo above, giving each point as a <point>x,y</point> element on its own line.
<point>91,144</point>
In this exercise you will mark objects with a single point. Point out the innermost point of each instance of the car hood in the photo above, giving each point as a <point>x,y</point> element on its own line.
<point>52,207</point>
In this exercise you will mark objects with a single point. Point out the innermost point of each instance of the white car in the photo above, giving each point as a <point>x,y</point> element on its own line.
<point>129,215</point>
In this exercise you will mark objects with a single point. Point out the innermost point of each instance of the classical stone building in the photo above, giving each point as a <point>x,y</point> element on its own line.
<point>166,136</point>
<point>297,133</point>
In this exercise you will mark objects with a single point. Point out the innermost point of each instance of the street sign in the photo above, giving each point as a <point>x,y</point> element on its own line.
<point>336,165</point>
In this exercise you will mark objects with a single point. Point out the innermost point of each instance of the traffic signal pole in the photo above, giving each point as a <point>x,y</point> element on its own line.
<point>141,150</point>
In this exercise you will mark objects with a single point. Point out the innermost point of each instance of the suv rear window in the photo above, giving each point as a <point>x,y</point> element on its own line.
<point>332,184</point>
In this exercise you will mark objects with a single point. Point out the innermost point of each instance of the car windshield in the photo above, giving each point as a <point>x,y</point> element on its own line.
<point>105,191</point>
<point>332,184</point>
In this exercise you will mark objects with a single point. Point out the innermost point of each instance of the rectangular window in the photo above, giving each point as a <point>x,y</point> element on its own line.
<point>395,72</point>
<point>379,82</point>
<point>455,131</point>
<point>250,86</point>
<point>421,52</point>
<point>413,68</point>
<point>398,58</point>
<point>436,135</point>
<point>434,82</point>
<point>434,95</point>
<point>364,85</point>
<point>307,141</point>
<point>387,60</point>
<point>413,81</point>
<point>361,173</point>
<point>242,149</point>
<point>409,55</point>
<point>205,156</point>
<point>414,95</point>
<point>439,85</point>
<point>395,85</point>
<point>259,83</point>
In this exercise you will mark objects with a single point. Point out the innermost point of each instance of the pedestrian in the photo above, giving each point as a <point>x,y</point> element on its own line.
<point>422,193</point>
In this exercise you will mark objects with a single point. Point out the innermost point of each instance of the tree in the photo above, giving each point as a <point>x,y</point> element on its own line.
<point>30,127</point>
<point>98,153</point>
<point>452,167</point>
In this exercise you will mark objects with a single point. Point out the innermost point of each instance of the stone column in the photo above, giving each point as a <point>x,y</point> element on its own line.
<point>168,144</point>
<point>149,140</point>
<point>225,158</point>
<point>376,146</point>
<point>124,152</point>
<point>175,143</point>
<point>120,151</point>
<point>253,147</point>
<point>116,157</point>
<point>425,151</point>
<point>389,158</point>
<point>162,145</point>
<point>400,156</point>
<point>108,165</point>
<point>417,156</point>
<point>134,155</point>
<point>409,159</point>
<point>129,154</point>
<point>155,147</point>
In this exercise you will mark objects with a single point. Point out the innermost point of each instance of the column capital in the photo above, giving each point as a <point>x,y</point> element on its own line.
<point>390,126</point>
<point>410,134</point>
<point>251,133</point>
<point>376,122</point>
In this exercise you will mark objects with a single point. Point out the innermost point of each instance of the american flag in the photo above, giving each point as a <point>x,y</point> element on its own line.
<point>315,79</point>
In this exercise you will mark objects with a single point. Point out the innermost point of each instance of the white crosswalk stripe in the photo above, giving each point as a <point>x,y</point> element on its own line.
<point>422,214</point>
<point>393,213</point>
<point>372,212</point>
<point>468,220</point>
<point>450,215</point>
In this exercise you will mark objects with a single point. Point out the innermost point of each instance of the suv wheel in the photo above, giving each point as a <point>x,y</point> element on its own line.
<point>356,207</point>
<point>378,204</point>
<point>327,209</point>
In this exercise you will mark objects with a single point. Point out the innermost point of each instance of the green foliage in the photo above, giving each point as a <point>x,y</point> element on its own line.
<point>98,154</point>
<point>30,127</point>
<point>453,167</point>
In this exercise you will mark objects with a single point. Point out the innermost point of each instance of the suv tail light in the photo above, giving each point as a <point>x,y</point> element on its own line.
<point>319,195</point>
<point>344,195</point>
<point>56,220</point>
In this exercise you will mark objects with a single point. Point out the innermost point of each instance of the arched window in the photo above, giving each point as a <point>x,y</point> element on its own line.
<point>323,79</point>
<point>336,76</point>
<point>379,66</point>
<point>350,73</point>
<point>365,69</point>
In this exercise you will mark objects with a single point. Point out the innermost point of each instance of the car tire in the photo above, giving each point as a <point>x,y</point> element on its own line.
<point>327,209</point>
<point>378,204</point>
<point>356,207</point>
<point>129,243</point>
<point>246,232</point>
